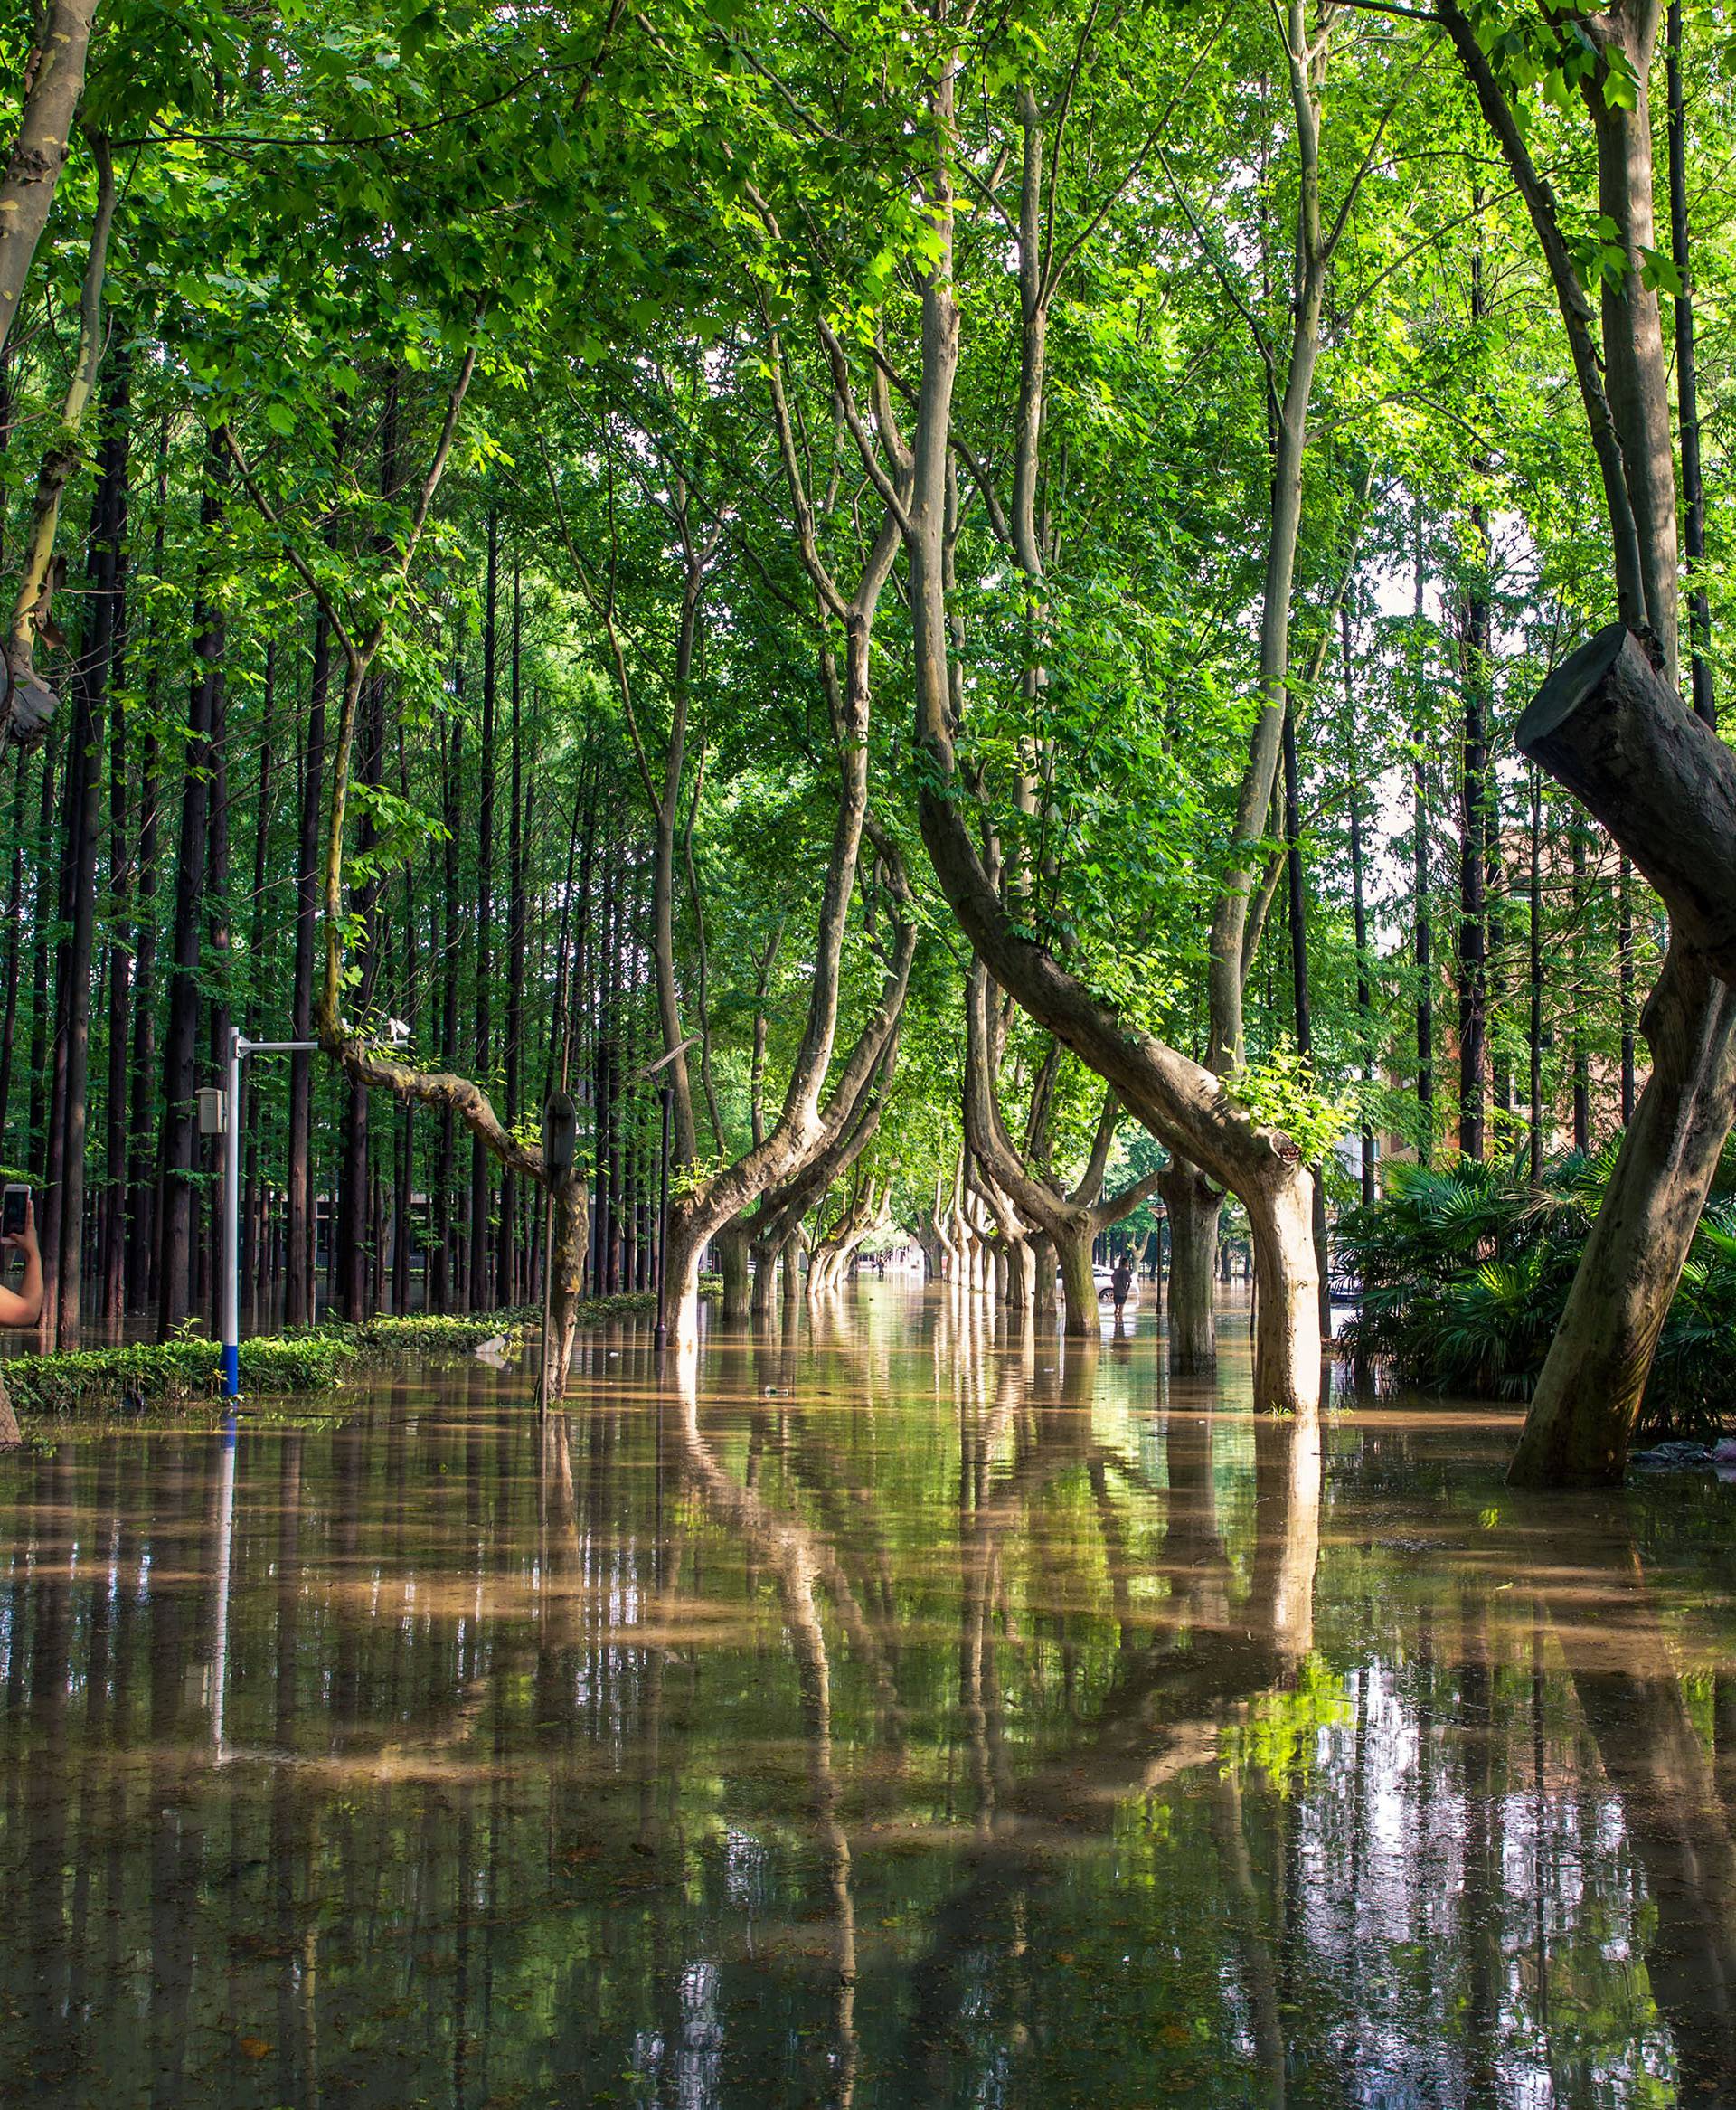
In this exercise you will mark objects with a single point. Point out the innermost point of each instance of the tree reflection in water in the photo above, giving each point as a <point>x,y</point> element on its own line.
<point>873,1708</point>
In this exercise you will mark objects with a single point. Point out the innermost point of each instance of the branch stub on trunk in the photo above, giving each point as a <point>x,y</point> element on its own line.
<point>1608,727</point>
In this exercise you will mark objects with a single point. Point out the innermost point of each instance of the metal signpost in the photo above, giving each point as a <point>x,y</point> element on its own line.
<point>239,1047</point>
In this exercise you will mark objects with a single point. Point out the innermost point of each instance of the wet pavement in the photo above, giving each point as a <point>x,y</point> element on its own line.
<point>874,1709</point>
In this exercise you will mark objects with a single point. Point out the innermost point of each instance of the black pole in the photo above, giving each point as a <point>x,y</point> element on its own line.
<point>662,1336</point>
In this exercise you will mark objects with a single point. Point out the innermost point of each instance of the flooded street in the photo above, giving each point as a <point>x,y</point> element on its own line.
<point>875,1711</point>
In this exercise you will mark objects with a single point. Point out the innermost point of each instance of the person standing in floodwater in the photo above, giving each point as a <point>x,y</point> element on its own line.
<point>20,1307</point>
<point>1121,1283</point>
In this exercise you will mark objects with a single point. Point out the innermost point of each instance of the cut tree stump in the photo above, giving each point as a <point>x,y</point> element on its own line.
<point>1607,726</point>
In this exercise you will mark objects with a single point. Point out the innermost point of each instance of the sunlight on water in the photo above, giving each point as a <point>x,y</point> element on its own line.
<point>879,1711</point>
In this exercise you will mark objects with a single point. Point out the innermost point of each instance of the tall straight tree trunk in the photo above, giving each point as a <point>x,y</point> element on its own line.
<point>258,990</point>
<point>1297,898</point>
<point>179,1150</point>
<point>354,1211</point>
<point>1687,387</point>
<point>66,1210</point>
<point>12,940</point>
<point>480,1280</point>
<point>220,1008</point>
<point>358,1217</point>
<point>41,922</point>
<point>1359,910</point>
<point>1496,896</point>
<point>404,1155</point>
<point>603,1081</point>
<point>298,1271</point>
<point>78,804</point>
<point>141,1060</point>
<point>444,1253</point>
<point>1534,1034</point>
<point>506,1281</point>
<point>143,1098</point>
<point>1473,836</point>
<point>1581,994</point>
<point>1423,948</point>
<point>122,940</point>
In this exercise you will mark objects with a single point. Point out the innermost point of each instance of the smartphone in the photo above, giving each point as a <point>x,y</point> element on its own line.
<point>15,1211</point>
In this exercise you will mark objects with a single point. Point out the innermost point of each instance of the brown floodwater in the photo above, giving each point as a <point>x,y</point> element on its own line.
<point>875,1710</point>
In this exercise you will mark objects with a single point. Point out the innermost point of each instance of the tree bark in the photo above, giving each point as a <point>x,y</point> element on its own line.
<point>13,939</point>
<point>1588,1399</point>
<point>142,1188</point>
<point>730,1244</point>
<point>1607,726</point>
<point>180,1133</point>
<point>54,88</point>
<point>30,702</point>
<point>1359,911</point>
<point>1473,843</point>
<point>1195,1207</point>
<point>299,1292</point>
<point>446,1229</point>
<point>1687,388</point>
<point>481,1284</point>
<point>508,1286</point>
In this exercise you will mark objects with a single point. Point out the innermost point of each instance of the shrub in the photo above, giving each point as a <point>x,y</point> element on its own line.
<point>1466,1269</point>
<point>315,1358</point>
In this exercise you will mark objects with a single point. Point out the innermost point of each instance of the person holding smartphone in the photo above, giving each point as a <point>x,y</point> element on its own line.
<point>23,1305</point>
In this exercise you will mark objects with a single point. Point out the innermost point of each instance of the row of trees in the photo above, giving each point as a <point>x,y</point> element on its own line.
<point>959,585</point>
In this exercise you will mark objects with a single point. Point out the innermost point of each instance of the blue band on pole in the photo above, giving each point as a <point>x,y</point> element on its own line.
<point>231,1371</point>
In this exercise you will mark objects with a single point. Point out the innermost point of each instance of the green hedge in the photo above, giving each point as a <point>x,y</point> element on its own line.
<point>315,1359</point>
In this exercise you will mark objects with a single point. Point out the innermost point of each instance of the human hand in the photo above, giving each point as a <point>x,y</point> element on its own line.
<point>24,1241</point>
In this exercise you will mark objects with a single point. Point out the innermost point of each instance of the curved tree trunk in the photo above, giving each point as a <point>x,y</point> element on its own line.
<point>792,1275</point>
<point>682,1256</point>
<point>1611,729</point>
<point>1182,1103</point>
<point>1582,1416</point>
<point>1195,1208</point>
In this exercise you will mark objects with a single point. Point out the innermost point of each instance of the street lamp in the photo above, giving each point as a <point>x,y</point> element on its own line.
<point>240,1049</point>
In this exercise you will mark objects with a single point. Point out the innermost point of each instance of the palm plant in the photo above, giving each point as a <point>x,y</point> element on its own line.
<point>1466,1269</point>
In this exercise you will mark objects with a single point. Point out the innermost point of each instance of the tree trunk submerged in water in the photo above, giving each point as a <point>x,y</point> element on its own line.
<point>1072,1248</point>
<point>1184,1104</point>
<point>687,1241</point>
<point>1588,1400</point>
<point>1195,1208</point>
<point>1609,727</point>
<point>566,1276</point>
<point>1612,730</point>
<point>731,1244</point>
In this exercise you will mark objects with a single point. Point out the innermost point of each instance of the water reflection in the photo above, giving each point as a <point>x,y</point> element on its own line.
<point>880,1709</point>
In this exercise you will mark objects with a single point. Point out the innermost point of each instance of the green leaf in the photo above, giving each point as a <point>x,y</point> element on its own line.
<point>1658,274</point>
